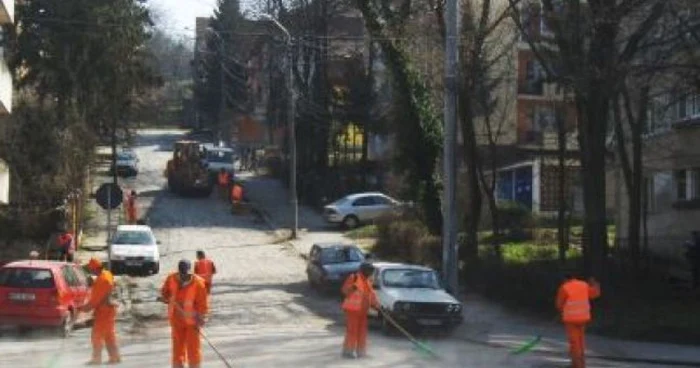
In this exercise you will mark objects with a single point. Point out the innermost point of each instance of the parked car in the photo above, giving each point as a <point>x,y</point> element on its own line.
<point>355,209</point>
<point>43,294</point>
<point>134,248</point>
<point>330,264</point>
<point>219,158</point>
<point>127,163</point>
<point>413,297</point>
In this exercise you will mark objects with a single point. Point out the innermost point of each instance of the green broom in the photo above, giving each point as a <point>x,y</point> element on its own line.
<point>420,346</point>
<point>527,346</point>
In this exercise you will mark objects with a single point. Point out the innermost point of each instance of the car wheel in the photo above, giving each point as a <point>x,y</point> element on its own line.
<point>351,222</point>
<point>67,325</point>
<point>156,268</point>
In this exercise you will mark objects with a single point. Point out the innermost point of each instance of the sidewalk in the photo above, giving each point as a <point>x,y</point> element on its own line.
<point>485,322</point>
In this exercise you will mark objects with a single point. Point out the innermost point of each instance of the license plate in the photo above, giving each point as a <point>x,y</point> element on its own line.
<point>22,297</point>
<point>134,263</point>
<point>430,322</point>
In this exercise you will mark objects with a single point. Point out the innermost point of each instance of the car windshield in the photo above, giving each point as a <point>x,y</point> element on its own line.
<point>409,278</point>
<point>33,278</point>
<point>220,156</point>
<point>133,238</point>
<point>340,202</point>
<point>341,255</point>
<point>125,156</point>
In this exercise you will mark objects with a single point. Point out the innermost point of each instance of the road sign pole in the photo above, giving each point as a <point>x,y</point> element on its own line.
<point>109,225</point>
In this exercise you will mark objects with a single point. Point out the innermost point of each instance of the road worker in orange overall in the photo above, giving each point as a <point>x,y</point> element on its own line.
<point>105,312</point>
<point>223,180</point>
<point>573,303</point>
<point>359,297</point>
<point>188,306</point>
<point>131,213</point>
<point>205,268</point>
<point>236,193</point>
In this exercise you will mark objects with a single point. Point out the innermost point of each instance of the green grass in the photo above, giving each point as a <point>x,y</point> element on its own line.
<point>364,232</point>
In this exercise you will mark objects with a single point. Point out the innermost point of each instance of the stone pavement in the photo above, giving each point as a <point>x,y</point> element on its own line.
<point>485,322</point>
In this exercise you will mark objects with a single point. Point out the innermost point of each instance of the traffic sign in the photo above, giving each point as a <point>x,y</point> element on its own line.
<point>109,196</point>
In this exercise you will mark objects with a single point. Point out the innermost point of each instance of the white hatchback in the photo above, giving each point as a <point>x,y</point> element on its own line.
<point>134,248</point>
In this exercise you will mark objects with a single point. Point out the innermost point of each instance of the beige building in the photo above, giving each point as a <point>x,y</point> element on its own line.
<point>524,122</point>
<point>7,9</point>
<point>671,166</point>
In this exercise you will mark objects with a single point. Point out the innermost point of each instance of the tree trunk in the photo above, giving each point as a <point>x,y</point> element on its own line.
<point>562,223</point>
<point>593,112</point>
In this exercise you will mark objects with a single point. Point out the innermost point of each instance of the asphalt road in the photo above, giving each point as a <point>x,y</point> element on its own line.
<point>263,312</point>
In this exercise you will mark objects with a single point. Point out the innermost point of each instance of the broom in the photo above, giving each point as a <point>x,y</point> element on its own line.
<point>531,343</point>
<point>422,347</point>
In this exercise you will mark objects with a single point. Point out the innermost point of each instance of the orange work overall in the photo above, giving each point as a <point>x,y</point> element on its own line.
<point>236,193</point>
<point>204,268</point>
<point>131,210</point>
<point>223,181</point>
<point>573,302</point>
<point>356,305</point>
<point>187,304</point>
<point>103,326</point>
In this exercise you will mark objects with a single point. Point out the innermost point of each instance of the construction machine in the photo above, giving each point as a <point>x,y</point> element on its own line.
<point>187,171</point>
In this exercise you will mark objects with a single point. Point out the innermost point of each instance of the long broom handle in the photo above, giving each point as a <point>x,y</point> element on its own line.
<point>406,333</point>
<point>204,336</point>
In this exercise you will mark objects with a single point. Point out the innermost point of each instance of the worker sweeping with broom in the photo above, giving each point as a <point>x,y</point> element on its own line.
<point>188,306</point>
<point>573,303</point>
<point>359,297</point>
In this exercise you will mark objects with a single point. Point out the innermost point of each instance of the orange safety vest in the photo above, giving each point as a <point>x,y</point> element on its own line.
<point>576,307</point>
<point>205,269</point>
<point>237,193</point>
<point>359,299</point>
<point>223,179</point>
<point>181,307</point>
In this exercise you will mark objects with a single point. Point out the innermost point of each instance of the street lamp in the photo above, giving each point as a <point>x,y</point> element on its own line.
<point>291,125</point>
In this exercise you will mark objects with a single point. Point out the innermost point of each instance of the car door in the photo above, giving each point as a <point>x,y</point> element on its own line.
<point>363,208</point>
<point>382,206</point>
<point>74,297</point>
<point>83,289</point>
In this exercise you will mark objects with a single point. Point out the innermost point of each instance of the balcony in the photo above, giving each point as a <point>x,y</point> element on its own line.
<point>531,88</point>
<point>531,137</point>
<point>7,11</point>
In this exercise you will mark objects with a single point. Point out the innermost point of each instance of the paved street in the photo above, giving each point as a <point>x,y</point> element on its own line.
<point>263,312</point>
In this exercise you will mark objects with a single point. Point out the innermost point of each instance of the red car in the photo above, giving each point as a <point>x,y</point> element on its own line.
<point>43,294</point>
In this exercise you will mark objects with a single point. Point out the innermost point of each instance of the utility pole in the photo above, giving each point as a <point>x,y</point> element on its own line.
<point>291,125</point>
<point>449,230</point>
<point>222,101</point>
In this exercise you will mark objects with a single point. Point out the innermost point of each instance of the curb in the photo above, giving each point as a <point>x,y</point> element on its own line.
<point>652,361</point>
<point>276,230</point>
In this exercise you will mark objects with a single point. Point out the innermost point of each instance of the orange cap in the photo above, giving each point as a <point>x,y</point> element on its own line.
<point>94,264</point>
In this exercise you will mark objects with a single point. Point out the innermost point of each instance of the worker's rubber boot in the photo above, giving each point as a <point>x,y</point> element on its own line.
<point>114,357</point>
<point>578,362</point>
<point>96,358</point>
<point>348,354</point>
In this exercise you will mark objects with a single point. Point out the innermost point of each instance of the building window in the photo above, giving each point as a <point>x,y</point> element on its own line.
<point>681,181</point>
<point>544,119</point>
<point>687,183</point>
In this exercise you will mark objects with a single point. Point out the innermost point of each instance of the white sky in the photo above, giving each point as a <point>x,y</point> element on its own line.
<point>177,17</point>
